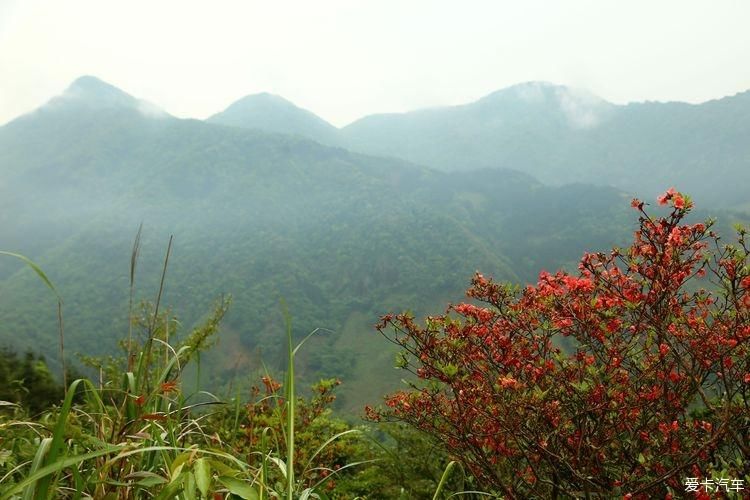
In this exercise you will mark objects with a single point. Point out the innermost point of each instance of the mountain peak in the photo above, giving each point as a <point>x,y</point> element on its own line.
<point>261,101</point>
<point>581,108</point>
<point>273,113</point>
<point>538,92</point>
<point>89,92</point>
<point>95,91</point>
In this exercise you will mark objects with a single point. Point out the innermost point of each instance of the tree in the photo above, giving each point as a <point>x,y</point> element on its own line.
<point>653,388</point>
<point>26,380</point>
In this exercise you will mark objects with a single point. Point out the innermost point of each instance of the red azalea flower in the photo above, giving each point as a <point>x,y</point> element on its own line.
<point>169,386</point>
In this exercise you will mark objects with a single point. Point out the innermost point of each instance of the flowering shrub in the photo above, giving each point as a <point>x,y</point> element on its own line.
<point>653,386</point>
<point>261,431</point>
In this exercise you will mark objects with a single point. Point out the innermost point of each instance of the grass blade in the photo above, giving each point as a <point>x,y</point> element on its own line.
<point>290,405</point>
<point>443,479</point>
<point>37,270</point>
<point>133,263</point>
<point>47,470</point>
<point>329,441</point>
<point>28,493</point>
<point>58,435</point>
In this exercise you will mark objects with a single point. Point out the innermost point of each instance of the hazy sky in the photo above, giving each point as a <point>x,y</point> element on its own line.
<point>345,59</point>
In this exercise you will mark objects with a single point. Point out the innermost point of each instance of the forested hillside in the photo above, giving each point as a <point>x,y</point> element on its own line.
<point>341,237</point>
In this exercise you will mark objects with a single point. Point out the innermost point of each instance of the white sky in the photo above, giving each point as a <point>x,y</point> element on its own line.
<point>343,59</point>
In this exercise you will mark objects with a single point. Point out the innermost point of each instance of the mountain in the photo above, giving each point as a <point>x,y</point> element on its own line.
<point>275,114</point>
<point>91,92</point>
<point>562,135</point>
<point>497,131</point>
<point>341,237</point>
<point>557,134</point>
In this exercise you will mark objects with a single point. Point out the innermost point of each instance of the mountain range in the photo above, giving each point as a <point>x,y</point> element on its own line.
<point>266,201</point>
<point>557,134</point>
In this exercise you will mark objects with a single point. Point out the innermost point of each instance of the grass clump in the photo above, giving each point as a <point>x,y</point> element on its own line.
<point>135,433</point>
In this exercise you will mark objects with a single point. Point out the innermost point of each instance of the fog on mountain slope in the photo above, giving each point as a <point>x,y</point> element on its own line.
<point>563,136</point>
<point>342,237</point>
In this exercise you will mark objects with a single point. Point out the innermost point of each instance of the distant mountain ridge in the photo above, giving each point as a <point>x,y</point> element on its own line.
<point>555,133</point>
<point>561,135</point>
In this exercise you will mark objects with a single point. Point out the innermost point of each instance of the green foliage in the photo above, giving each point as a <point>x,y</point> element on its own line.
<point>261,426</point>
<point>136,429</point>
<point>27,381</point>
<point>407,464</point>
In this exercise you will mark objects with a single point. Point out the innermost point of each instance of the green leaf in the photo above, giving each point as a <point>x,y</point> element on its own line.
<point>401,360</point>
<point>280,464</point>
<point>178,462</point>
<point>221,468</point>
<point>239,488</point>
<point>176,473</point>
<point>170,490</point>
<point>202,471</point>
<point>539,393</point>
<point>582,386</point>
<point>189,491</point>
<point>449,370</point>
<point>150,482</point>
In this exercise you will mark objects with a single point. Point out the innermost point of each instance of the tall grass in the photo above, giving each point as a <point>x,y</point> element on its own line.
<point>131,290</point>
<point>134,435</point>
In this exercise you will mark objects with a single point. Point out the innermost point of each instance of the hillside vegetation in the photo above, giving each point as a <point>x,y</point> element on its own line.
<point>341,237</point>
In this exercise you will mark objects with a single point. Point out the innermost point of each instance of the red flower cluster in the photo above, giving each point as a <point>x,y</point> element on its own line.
<point>619,378</point>
<point>678,200</point>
